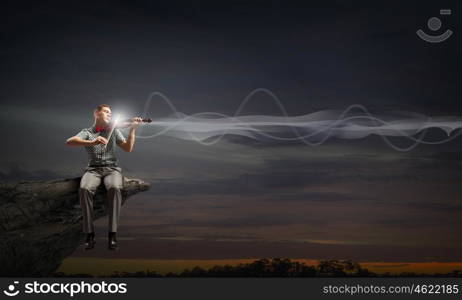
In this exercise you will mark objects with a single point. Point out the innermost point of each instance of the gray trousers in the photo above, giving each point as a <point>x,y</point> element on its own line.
<point>112,177</point>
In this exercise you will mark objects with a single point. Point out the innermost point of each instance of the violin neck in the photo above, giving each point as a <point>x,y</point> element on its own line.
<point>144,120</point>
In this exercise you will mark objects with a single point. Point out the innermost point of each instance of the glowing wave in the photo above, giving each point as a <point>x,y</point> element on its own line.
<point>312,129</point>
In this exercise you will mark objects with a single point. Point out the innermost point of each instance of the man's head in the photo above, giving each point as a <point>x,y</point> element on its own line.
<point>103,114</point>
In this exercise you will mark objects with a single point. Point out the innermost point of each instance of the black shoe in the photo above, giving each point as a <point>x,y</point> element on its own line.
<point>90,241</point>
<point>112,241</point>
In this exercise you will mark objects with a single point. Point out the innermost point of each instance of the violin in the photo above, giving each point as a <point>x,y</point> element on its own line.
<point>143,120</point>
<point>128,122</point>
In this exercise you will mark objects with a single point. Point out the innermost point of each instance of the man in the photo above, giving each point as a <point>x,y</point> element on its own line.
<point>102,166</point>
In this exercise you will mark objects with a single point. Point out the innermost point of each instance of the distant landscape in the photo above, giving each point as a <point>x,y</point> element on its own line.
<point>274,267</point>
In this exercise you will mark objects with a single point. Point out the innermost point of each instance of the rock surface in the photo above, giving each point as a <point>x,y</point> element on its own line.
<point>40,223</point>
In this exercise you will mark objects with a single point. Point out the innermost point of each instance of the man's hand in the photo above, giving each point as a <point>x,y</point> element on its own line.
<point>136,122</point>
<point>99,140</point>
<point>130,142</point>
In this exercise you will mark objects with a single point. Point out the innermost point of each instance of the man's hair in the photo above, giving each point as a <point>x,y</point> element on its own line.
<point>100,107</point>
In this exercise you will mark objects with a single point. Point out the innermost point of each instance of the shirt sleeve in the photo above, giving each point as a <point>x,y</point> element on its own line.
<point>83,134</point>
<point>119,137</point>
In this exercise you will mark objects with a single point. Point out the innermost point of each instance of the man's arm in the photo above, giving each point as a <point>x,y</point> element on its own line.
<point>78,141</point>
<point>128,145</point>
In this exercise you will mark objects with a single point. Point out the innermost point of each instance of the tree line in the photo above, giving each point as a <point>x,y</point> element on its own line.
<point>275,267</point>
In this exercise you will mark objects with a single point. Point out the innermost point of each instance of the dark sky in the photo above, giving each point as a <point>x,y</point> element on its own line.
<point>60,59</point>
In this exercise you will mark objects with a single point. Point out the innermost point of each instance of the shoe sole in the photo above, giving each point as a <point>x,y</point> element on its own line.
<point>113,247</point>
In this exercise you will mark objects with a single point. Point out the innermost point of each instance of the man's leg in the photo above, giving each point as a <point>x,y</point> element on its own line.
<point>88,185</point>
<point>114,185</point>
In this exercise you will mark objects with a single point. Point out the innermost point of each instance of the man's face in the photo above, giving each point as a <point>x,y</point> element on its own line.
<point>104,115</point>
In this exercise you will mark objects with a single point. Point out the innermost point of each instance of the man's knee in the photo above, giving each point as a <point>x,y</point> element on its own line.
<point>114,182</point>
